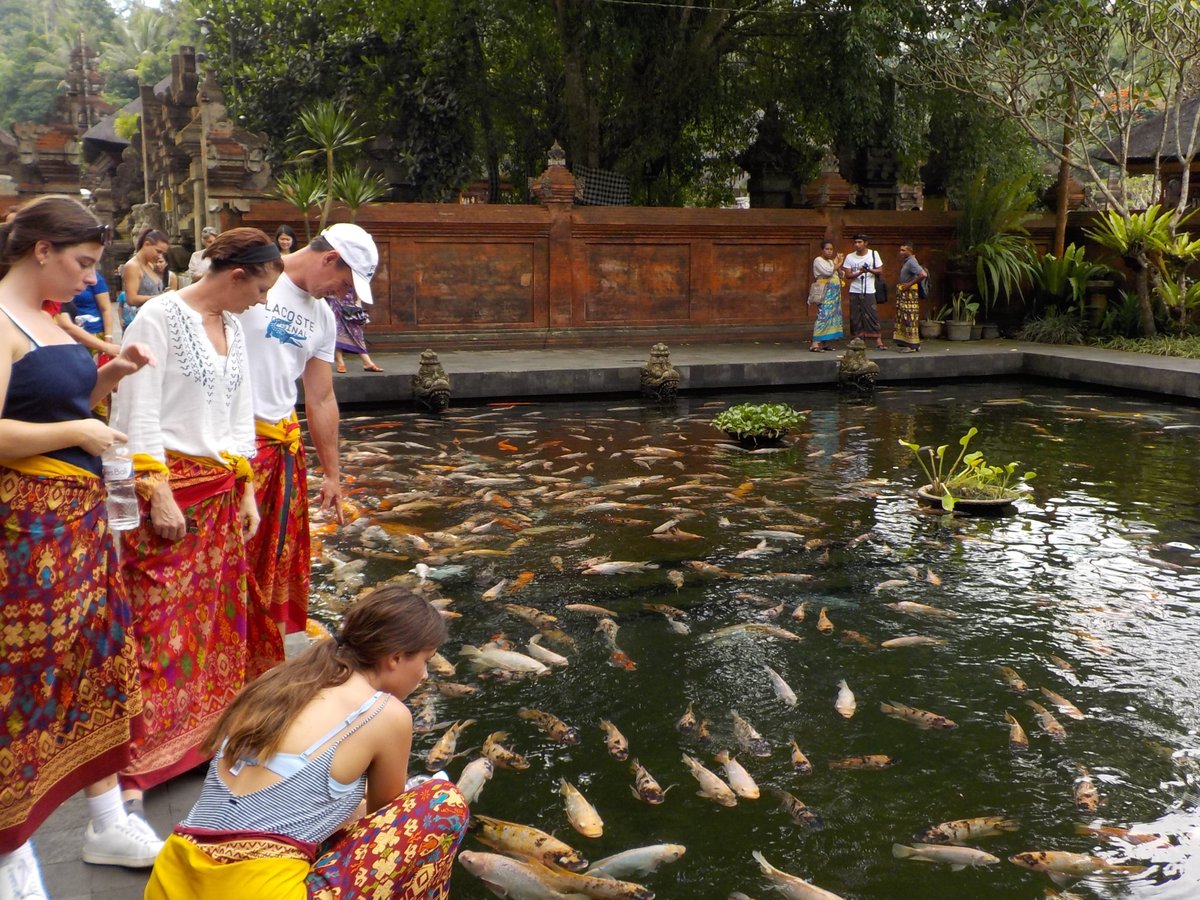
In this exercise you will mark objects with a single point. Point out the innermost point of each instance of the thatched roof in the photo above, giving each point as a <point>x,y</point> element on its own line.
<point>105,132</point>
<point>1144,138</point>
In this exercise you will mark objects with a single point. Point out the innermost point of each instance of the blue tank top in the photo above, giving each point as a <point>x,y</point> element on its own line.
<point>53,383</point>
<point>309,804</point>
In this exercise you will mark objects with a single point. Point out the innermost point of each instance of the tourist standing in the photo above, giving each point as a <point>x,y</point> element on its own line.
<point>292,337</point>
<point>908,301</point>
<point>72,701</point>
<point>826,296</point>
<point>140,276</point>
<point>351,319</point>
<point>299,752</point>
<point>285,240</point>
<point>190,424</point>
<point>859,268</point>
<point>198,264</point>
<point>94,311</point>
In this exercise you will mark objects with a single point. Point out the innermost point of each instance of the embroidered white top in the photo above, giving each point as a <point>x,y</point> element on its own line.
<point>194,401</point>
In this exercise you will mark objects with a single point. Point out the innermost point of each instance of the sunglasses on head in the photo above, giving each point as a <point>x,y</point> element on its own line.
<point>104,234</point>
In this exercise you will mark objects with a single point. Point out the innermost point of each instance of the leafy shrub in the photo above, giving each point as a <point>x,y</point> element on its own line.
<point>758,420</point>
<point>1121,319</point>
<point>1054,327</point>
<point>1186,347</point>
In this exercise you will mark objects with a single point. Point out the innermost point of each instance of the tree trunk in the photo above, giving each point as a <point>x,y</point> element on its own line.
<point>1145,309</point>
<point>1064,188</point>
<point>491,152</point>
<point>575,105</point>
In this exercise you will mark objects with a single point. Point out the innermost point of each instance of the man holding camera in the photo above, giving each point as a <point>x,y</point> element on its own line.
<point>859,269</point>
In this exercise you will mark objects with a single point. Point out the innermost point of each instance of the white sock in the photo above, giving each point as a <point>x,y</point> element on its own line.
<point>25,851</point>
<point>106,810</point>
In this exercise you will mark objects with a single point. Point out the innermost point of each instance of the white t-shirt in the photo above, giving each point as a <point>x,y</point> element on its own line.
<point>194,401</point>
<point>861,284</point>
<point>282,335</point>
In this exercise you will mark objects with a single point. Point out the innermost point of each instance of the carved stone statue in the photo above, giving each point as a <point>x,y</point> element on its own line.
<point>660,380</point>
<point>431,384</point>
<point>855,371</point>
<point>143,216</point>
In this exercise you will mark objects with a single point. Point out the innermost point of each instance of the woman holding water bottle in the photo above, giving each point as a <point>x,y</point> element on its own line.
<point>69,695</point>
<point>190,424</point>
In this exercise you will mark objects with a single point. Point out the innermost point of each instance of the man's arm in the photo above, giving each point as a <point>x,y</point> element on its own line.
<point>321,410</point>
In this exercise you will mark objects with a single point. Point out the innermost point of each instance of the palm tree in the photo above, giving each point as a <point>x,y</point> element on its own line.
<point>356,187</point>
<point>302,188</point>
<point>328,128</point>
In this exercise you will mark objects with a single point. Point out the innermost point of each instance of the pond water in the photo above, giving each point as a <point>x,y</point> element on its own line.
<point>1100,569</point>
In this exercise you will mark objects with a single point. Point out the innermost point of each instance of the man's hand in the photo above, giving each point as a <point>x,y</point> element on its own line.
<point>331,499</point>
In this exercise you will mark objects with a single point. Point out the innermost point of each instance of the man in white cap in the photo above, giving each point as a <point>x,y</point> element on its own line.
<point>291,336</point>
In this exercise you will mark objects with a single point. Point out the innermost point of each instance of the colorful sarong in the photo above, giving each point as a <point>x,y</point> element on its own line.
<point>908,316</point>
<point>69,691</point>
<point>405,851</point>
<point>189,600</point>
<point>278,554</point>
<point>828,326</point>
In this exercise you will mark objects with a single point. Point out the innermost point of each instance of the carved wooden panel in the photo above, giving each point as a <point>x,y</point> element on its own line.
<point>758,282</point>
<point>471,283</point>
<point>636,282</point>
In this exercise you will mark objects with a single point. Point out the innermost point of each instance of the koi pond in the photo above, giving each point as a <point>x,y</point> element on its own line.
<point>678,567</point>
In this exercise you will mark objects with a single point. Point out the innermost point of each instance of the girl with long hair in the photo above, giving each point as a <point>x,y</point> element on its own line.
<point>191,429</point>
<point>71,698</point>
<point>317,740</point>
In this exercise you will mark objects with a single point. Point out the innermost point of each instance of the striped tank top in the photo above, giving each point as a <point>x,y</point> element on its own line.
<point>308,804</point>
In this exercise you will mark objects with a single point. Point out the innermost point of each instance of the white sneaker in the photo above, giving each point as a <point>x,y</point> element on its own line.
<point>132,843</point>
<point>22,880</point>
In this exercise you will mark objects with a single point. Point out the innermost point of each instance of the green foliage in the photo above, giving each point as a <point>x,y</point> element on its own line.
<point>1053,327</point>
<point>1122,319</point>
<point>1184,346</point>
<point>992,238</point>
<point>1063,280</point>
<point>356,187</point>
<point>1136,235</point>
<point>127,125</point>
<point>324,130</point>
<point>969,476</point>
<point>758,420</point>
<point>303,188</point>
<point>962,308</point>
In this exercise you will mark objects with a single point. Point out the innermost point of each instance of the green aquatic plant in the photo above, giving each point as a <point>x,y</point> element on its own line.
<point>970,476</point>
<point>758,420</point>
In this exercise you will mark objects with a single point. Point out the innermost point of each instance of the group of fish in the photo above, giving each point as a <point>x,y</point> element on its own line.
<point>507,489</point>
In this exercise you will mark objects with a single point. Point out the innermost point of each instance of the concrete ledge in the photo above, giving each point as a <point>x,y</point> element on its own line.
<point>572,372</point>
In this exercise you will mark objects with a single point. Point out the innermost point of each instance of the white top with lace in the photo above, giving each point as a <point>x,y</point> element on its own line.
<point>194,401</point>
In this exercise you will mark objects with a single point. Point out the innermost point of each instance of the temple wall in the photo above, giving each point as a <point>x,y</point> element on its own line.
<point>563,274</point>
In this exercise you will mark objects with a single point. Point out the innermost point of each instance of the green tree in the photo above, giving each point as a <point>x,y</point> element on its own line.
<point>1082,72</point>
<point>328,130</point>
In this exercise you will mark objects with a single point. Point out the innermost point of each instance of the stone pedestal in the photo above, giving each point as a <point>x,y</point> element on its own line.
<point>660,380</point>
<point>856,373</point>
<point>431,384</point>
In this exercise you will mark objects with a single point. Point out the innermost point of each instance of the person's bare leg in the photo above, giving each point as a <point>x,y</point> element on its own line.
<point>340,360</point>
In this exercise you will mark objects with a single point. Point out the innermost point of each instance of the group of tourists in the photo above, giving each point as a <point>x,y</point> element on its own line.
<point>860,269</point>
<point>124,655</point>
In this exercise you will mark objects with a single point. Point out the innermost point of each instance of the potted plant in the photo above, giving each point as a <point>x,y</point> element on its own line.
<point>962,314</point>
<point>758,424</point>
<point>970,485</point>
<point>933,326</point>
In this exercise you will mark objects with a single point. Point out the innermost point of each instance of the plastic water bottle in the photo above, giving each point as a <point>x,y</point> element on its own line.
<point>122,503</point>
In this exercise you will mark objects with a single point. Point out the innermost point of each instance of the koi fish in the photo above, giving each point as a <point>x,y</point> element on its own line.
<point>919,717</point>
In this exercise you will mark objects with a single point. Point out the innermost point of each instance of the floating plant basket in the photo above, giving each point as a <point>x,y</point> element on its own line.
<point>758,424</point>
<point>1001,506</point>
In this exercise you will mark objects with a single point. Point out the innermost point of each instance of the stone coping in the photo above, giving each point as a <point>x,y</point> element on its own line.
<point>574,372</point>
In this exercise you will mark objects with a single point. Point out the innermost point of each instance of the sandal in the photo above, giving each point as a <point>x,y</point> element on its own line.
<point>815,349</point>
<point>372,368</point>
<point>341,368</point>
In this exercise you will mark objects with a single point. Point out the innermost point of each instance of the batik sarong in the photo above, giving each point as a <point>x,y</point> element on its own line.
<point>403,851</point>
<point>189,603</point>
<point>69,691</point>
<point>278,554</point>
<point>908,316</point>
<point>350,319</point>
<point>828,326</point>
<point>864,317</point>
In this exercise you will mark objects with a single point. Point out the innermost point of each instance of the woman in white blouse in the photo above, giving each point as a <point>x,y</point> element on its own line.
<point>191,429</point>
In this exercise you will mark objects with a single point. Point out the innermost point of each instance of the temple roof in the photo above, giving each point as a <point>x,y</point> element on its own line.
<point>1144,138</point>
<point>105,131</point>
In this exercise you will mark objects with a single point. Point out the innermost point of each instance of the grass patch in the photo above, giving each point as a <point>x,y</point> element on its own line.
<point>1187,347</point>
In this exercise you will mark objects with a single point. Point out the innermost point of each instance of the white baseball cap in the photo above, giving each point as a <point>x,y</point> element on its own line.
<point>357,250</point>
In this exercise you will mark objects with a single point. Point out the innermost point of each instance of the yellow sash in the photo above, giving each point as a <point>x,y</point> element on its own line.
<point>239,465</point>
<point>286,431</point>
<point>46,467</point>
<point>184,871</point>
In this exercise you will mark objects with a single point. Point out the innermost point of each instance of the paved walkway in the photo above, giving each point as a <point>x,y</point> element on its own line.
<point>477,374</point>
<point>559,372</point>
